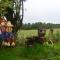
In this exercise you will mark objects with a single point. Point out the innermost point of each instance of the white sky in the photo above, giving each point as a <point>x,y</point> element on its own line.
<point>42,11</point>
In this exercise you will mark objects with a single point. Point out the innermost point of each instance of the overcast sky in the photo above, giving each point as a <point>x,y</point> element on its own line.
<point>42,11</point>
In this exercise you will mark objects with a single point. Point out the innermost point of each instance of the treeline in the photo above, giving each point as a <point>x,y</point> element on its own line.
<point>39,25</point>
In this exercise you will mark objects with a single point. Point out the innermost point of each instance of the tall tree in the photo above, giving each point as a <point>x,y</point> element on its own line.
<point>13,10</point>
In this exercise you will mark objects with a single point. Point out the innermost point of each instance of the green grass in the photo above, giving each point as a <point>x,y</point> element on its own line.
<point>22,34</point>
<point>37,52</point>
<point>33,53</point>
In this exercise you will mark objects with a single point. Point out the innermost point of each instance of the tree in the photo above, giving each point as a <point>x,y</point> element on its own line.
<point>3,5</point>
<point>10,8</point>
<point>13,10</point>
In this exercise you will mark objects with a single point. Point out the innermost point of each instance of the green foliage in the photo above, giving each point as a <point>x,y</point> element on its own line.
<point>4,4</point>
<point>39,25</point>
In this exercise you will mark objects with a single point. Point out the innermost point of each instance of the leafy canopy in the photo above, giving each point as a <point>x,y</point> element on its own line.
<point>4,4</point>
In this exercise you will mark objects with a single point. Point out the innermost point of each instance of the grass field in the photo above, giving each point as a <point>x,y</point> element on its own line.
<point>37,52</point>
<point>22,34</point>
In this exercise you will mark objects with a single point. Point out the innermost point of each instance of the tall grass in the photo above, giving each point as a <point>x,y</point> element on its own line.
<point>56,36</point>
<point>37,52</point>
<point>22,34</point>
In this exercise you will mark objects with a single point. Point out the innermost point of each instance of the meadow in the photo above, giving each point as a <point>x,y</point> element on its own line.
<point>23,34</point>
<point>37,52</point>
